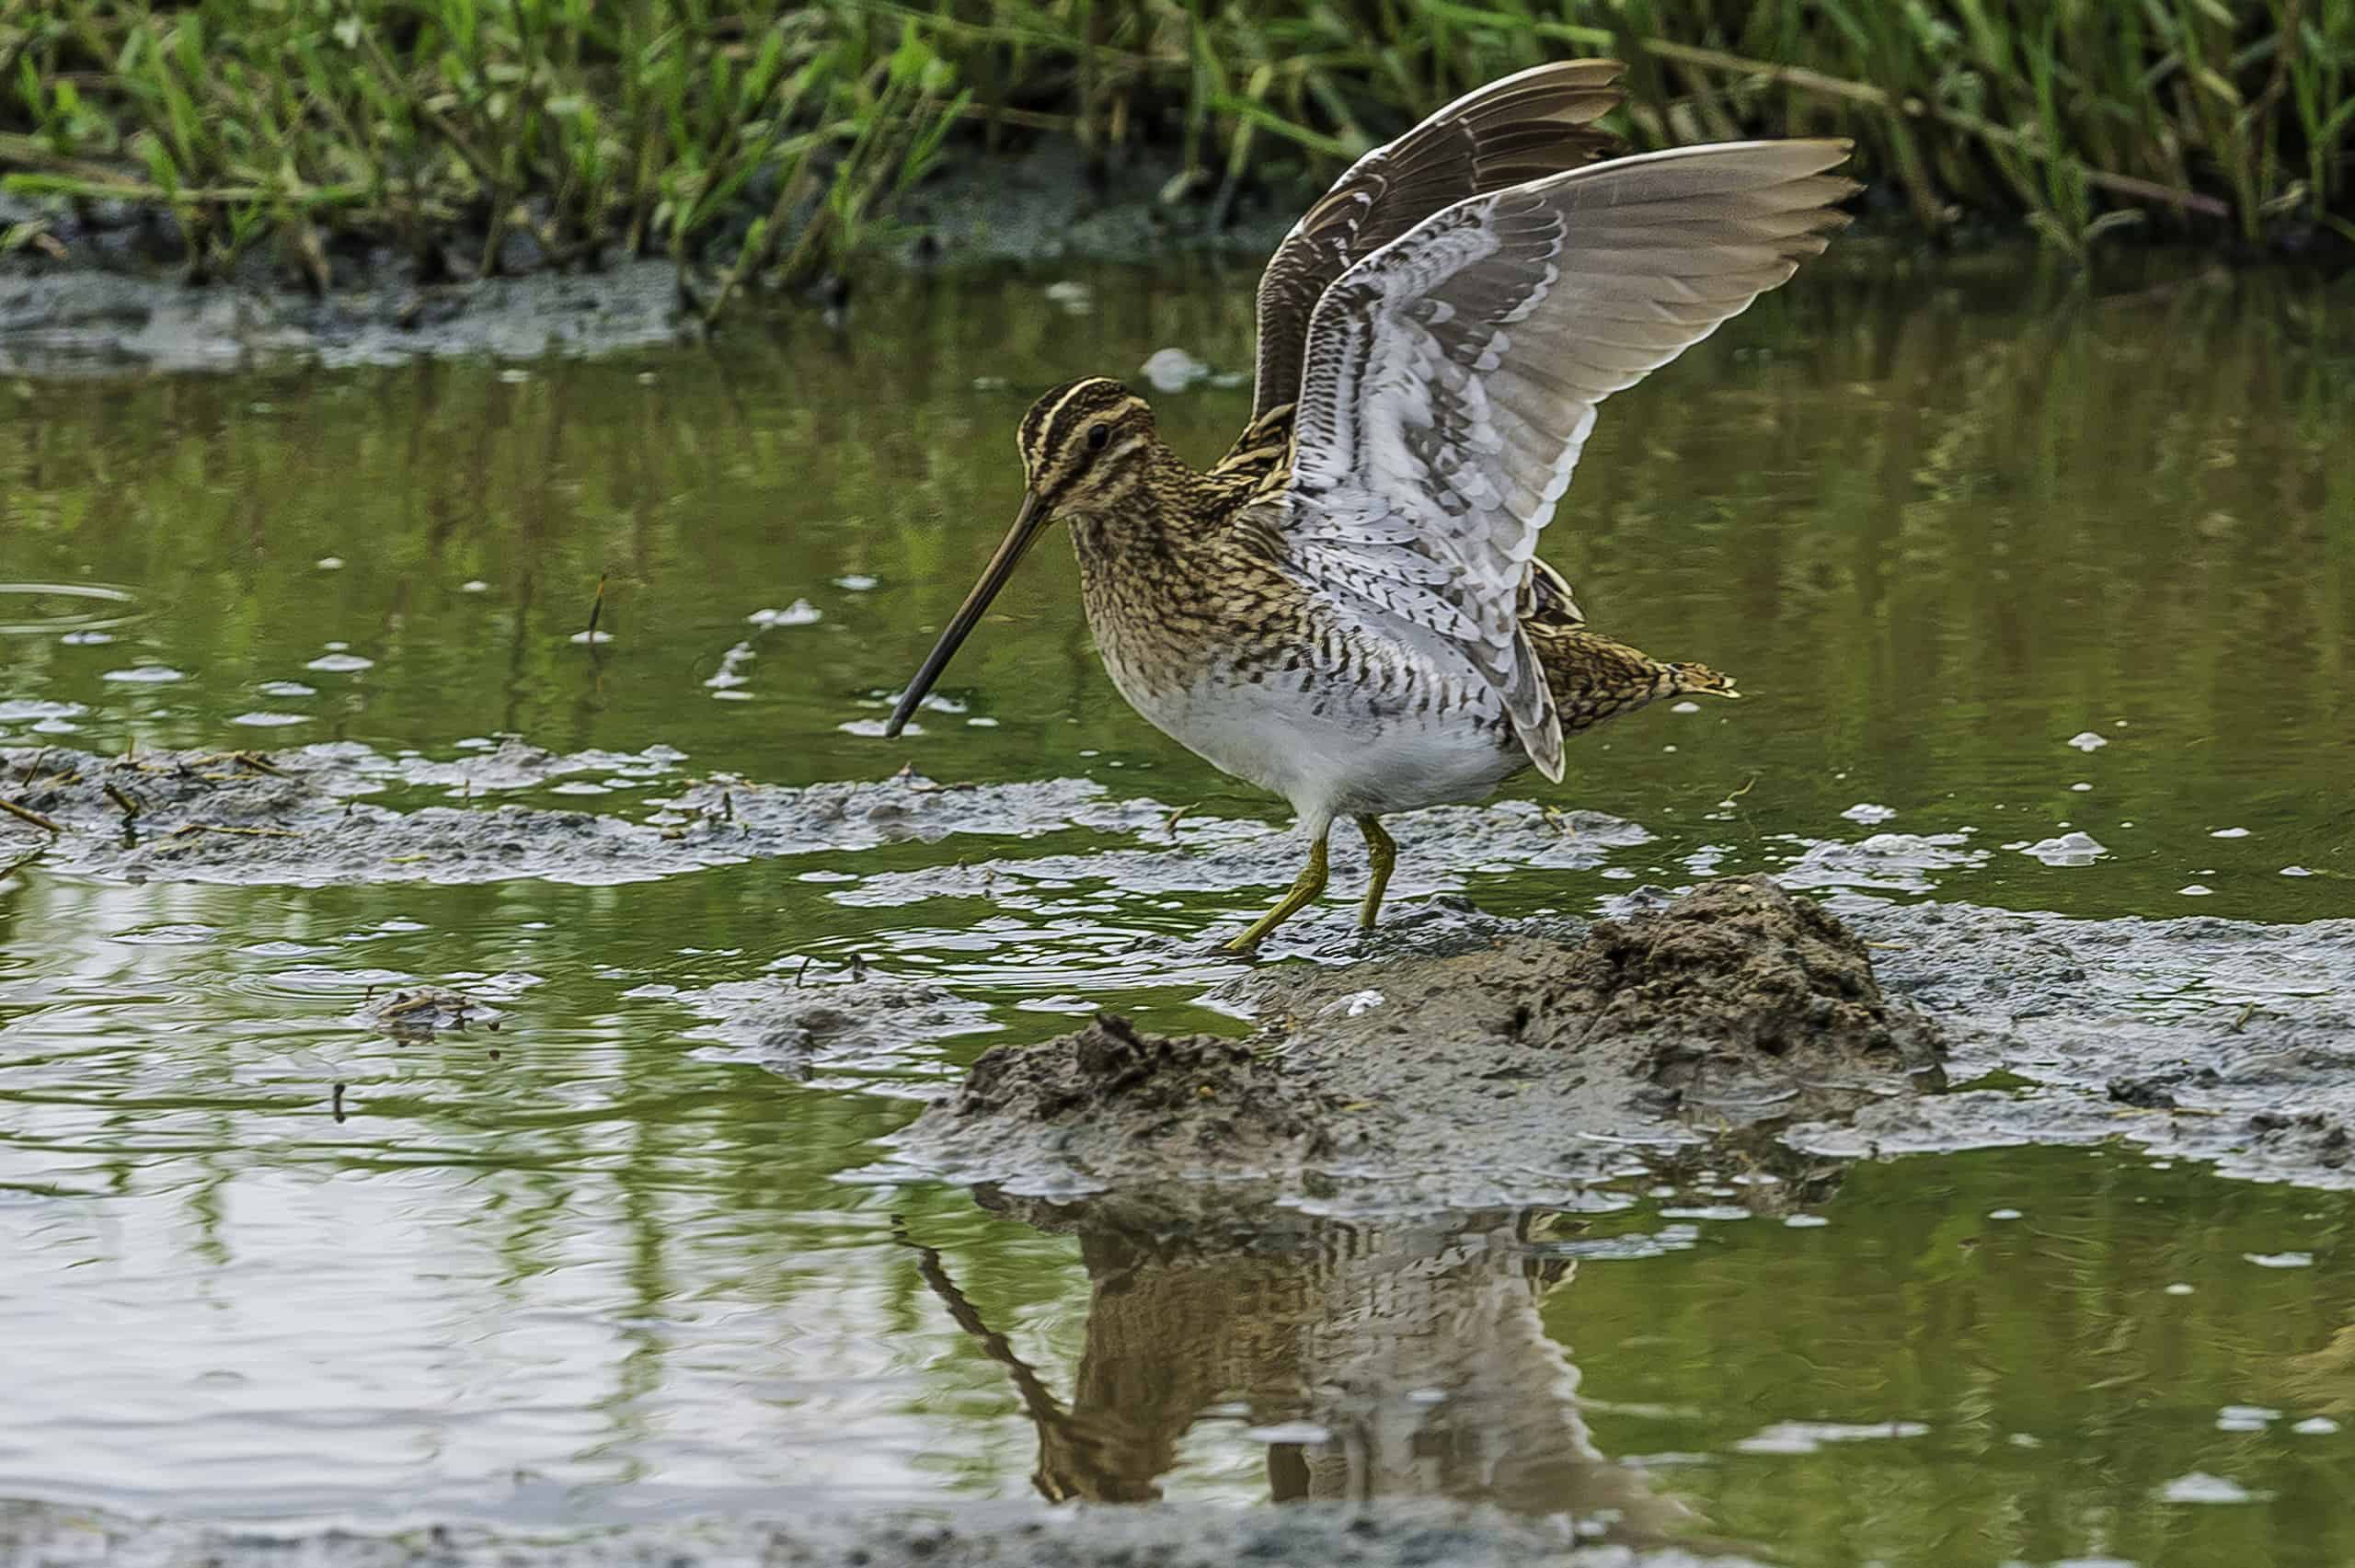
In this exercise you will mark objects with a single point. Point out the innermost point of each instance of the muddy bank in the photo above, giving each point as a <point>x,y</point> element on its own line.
<point>1517,1071</point>
<point>972,1535</point>
<point>2206,1040</point>
<point>1520,1061</point>
<point>76,321</point>
<point>304,817</point>
<point>341,812</point>
<point>117,302</point>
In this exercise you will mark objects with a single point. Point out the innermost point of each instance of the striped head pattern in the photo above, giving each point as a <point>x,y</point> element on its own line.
<point>1087,446</point>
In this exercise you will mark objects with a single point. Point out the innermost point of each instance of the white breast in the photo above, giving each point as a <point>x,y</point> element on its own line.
<point>1331,749</point>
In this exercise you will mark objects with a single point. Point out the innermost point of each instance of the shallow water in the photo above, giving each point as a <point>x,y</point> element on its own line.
<point>596,1265</point>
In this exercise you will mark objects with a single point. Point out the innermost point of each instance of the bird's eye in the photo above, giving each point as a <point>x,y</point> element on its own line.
<point>1097,436</point>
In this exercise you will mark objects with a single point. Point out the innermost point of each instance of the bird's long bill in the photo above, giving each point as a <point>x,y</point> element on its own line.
<point>1027,523</point>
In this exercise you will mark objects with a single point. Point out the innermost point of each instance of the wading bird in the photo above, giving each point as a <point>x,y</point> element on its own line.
<point>1347,609</point>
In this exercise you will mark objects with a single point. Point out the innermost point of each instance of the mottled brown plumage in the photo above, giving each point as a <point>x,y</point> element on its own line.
<point>1346,608</point>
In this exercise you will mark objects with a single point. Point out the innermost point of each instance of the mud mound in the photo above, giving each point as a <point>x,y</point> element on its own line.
<point>1504,1074</point>
<point>1737,972</point>
<point>1107,1100</point>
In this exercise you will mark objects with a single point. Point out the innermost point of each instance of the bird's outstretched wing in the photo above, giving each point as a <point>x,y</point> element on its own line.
<point>1516,129</point>
<point>1449,378</point>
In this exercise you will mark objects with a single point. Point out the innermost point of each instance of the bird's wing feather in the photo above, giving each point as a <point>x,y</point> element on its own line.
<point>1450,378</point>
<point>1520,127</point>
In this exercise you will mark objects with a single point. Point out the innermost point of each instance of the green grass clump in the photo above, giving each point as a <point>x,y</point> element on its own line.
<point>763,139</point>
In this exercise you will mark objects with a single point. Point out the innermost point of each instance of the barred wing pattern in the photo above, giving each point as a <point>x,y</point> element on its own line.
<point>1452,377</point>
<point>1517,128</point>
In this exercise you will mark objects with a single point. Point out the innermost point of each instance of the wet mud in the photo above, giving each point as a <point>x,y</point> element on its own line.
<point>116,305</point>
<point>77,321</point>
<point>1575,1048</point>
<point>802,1024</point>
<point>2221,1041</point>
<point>1856,1029</point>
<point>1376,1535</point>
<point>1734,1005</point>
<point>303,817</point>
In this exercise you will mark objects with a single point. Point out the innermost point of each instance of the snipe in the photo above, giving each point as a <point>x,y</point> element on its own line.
<point>1347,609</point>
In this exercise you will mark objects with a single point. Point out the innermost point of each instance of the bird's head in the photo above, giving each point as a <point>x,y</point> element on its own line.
<point>1087,447</point>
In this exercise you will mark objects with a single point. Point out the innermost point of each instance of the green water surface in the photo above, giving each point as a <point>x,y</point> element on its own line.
<point>1939,521</point>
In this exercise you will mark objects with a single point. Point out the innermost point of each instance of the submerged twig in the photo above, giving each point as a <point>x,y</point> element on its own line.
<point>26,814</point>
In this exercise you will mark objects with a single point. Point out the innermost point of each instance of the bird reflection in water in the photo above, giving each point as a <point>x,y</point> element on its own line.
<point>1415,1348</point>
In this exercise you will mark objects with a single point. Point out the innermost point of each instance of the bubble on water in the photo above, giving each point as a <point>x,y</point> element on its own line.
<point>729,675</point>
<point>85,639</point>
<point>2003,1214</point>
<point>2246,1418</point>
<point>2080,787</point>
<point>265,720</point>
<point>1808,1436</point>
<point>801,612</point>
<point>1072,297</point>
<point>874,726</point>
<point>2202,1487</point>
<point>2230,833</point>
<point>1173,369</point>
<point>2316,1426</point>
<point>2280,1259</point>
<point>980,724</point>
<point>474,584</point>
<point>145,675</point>
<point>1868,813</point>
<point>1667,748</point>
<point>1288,1432</point>
<point>330,563</point>
<point>1805,1222</point>
<point>2196,890</point>
<point>23,709</point>
<point>2086,740</point>
<point>2069,849</point>
<point>2178,1288</point>
<point>854,582</point>
<point>584,638</point>
<point>285,689</point>
<point>340,663</point>
<point>2295,871</point>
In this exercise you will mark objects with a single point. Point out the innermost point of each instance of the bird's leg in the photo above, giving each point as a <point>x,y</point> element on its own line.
<point>1304,890</point>
<point>1382,853</point>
